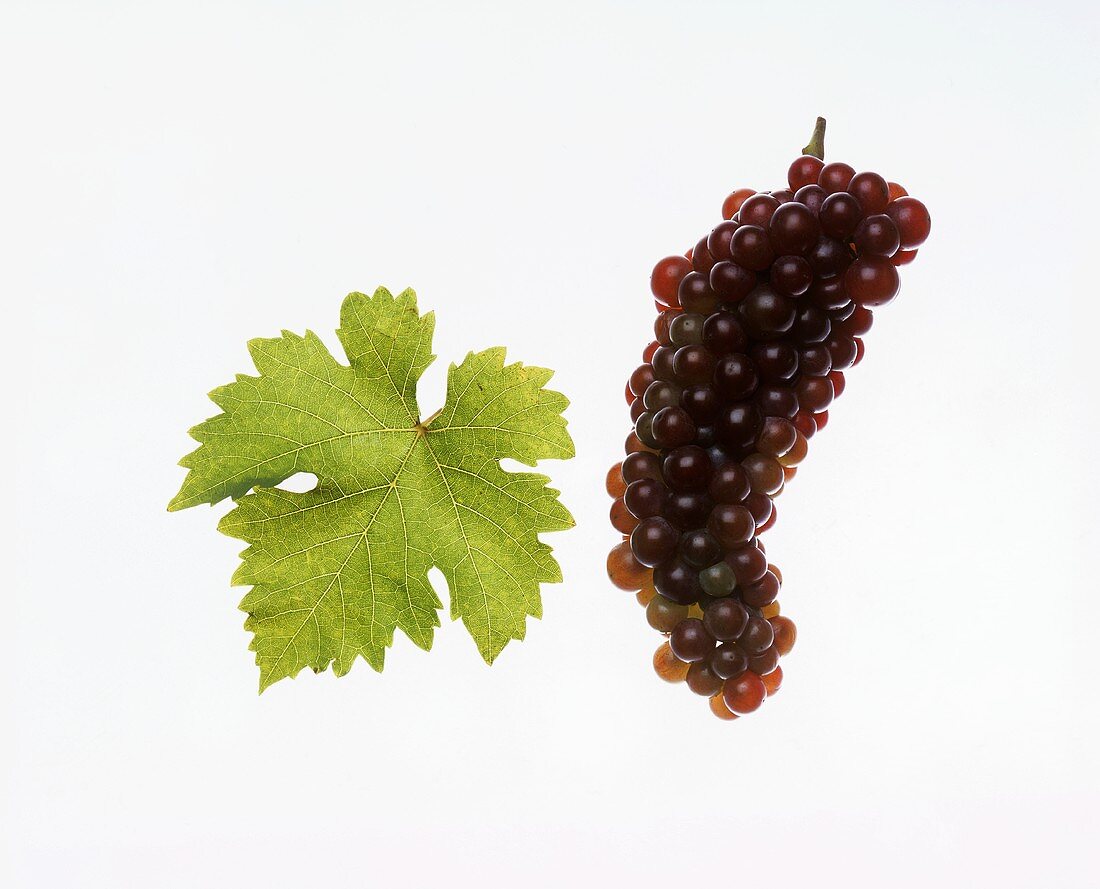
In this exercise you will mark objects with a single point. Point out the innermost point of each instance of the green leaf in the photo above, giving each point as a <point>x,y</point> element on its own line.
<point>333,571</point>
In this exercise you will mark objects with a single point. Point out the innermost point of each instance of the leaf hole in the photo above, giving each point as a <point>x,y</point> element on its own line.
<point>299,483</point>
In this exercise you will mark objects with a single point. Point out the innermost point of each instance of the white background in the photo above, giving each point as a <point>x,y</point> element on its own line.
<point>175,179</point>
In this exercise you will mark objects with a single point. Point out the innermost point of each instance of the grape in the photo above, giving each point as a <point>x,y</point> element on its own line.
<point>661,394</point>
<point>877,235</point>
<point>803,171</point>
<point>748,563</point>
<point>732,282</point>
<point>777,437</point>
<point>677,581</point>
<point>735,377</point>
<point>701,404</point>
<point>812,197</point>
<point>761,593</point>
<point>732,525</point>
<point>757,635</point>
<point>614,483</point>
<point>672,427</point>
<point>739,424</point>
<point>758,210</point>
<point>751,248</point>
<point>690,641</point>
<point>729,484</point>
<point>828,257</point>
<point>687,511</point>
<point>702,680</point>
<point>764,663</point>
<point>744,694</point>
<point>756,325</point>
<point>784,632</point>
<point>621,519</point>
<point>701,260</point>
<point>725,619</point>
<point>772,681</point>
<point>793,229</point>
<point>718,241</point>
<point>718,580</point>
<point>871,190</point>
<point>663,614</point>
<point>790,275</point>
<point>692,364</point>
<point>728,660</point>
<point>718,708</point>
<point>699,549</point>
<point>645,498</point>
<point>626,572</point>
<point>653,541</point>
<point>835,177</point>
<point>871,281</point>
<point>722,334</point>
<point>686,329</point>
<point>641,466</point>
<point>777,401</point>
<point>767,314</point>
<point>666,278</point>
<point>734,202</point>
<point>912,219</point>
<point>669,667</point>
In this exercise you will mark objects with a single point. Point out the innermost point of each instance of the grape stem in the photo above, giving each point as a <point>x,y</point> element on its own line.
<point>816,146</point>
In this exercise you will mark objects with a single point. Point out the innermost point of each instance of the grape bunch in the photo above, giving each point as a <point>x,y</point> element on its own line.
<point>757,325</point>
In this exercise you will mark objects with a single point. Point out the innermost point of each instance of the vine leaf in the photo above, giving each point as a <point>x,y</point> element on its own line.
<point>335,570</point>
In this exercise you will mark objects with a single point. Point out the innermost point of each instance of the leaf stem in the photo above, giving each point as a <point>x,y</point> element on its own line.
<point>816,145</point>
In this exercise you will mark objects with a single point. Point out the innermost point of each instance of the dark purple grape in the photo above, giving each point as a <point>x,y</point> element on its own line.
<point>640,466</point>
<point>701,260</point>
<point>763,592</point>
<point>738,425</point>
<point>687,511</point>
<point>839,216</point>
<point>775,362</point>
<point>699,548</point>
<point>729,484</point>
<point>731,281</point>
<point>793,229</point>
<point>645,497</point>
<point>718,242</point>
<point>776,401</point>
<point>735,377</point>
<point>766,314</point>
<point>791,275</point>
<point>723,334</point>
<point>842,349</point>
<point>764,663</point>
<point>725,619</point>
<point>815,394</point>
<point>693,364</point>
<point>815,361</point>
<point>643,429</point>
<point>662,363</point>
<point>829,257</point>
<point>653,541</point>
<point>695,293</point>
<point>872,192</point>
<point>728,660</point>
<point>748,564</point>
<point>835,177</point>
<point>751,248</point>
<point>637,408</point>
<point>687,468</point>
<point>760,506</point>
<point>828,293</point>
<point>731,525</point>
<point>877,235</point>
<point>678,581</point>
<point>758,210</point>
<point>701,403</point>
<point>673,427</point>
<point>812,196</point>
<point>757,636</point>
<point>811,325</point>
